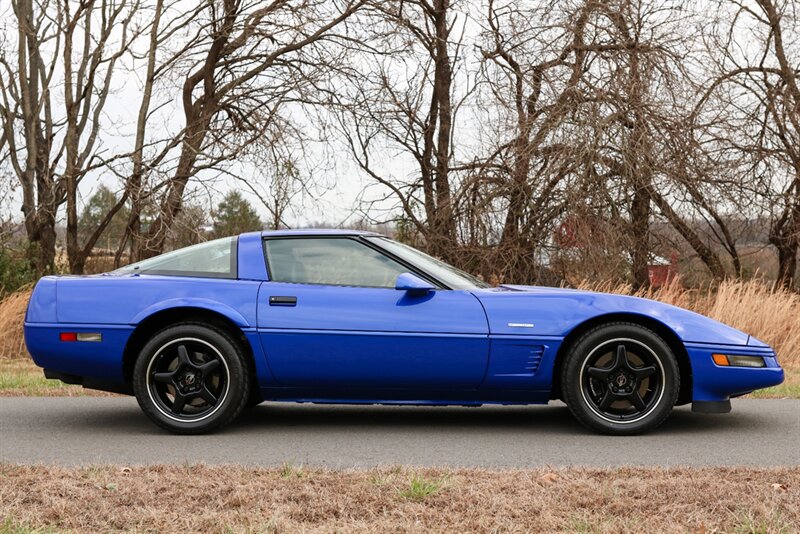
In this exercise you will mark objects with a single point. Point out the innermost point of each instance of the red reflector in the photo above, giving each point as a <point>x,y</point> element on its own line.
<point>68,336</point>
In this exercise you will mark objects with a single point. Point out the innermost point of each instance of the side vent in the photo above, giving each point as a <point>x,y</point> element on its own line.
<point>515,358</point>
<point>535,354</point>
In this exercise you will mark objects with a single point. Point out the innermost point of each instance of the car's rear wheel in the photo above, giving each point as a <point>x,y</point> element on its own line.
<point>192,378</point>
<point>620,378</point>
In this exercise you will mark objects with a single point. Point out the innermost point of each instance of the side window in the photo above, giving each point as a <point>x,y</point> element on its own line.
<point>330,261</point>
<point>213,259</point>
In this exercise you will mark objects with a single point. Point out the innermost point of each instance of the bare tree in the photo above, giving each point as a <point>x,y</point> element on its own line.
<point>762,90</point>
<point>55,84</point>
<point>509,123</point>
<point>533,70</point>
<point>405,104</point>
<point>276,179</point>
<point>254,62</point>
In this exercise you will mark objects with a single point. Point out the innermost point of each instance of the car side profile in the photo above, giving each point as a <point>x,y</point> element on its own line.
<point>199,333</point>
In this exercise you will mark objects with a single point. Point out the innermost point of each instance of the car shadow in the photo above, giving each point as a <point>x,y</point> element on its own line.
<point>554,419</point>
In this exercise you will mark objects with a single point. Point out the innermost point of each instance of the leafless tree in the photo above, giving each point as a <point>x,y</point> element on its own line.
<point>253,61</point>
<point>588,88</point>
<point>56,79</point>
<point>404,105</point>
<point>276,179</point>
<point>533,72</point>
<point>760,88</point>
<point>636,125</point>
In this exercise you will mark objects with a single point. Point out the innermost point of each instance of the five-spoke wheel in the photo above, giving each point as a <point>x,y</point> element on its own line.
<point>620,378</point>
<point>187,379</point>
<point>192,378</point>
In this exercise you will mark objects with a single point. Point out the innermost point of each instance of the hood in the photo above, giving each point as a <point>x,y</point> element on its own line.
<point>557,311</point>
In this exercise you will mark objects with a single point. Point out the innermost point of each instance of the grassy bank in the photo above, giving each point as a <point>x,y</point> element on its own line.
<point>23,378</point>
<point>772,315</point>
<point>296,499</point>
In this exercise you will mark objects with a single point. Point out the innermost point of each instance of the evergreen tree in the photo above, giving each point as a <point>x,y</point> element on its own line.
<point>100,203</point>
<point>235,215</point>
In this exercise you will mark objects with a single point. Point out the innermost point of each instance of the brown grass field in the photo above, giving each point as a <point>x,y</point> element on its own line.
<point>12,315</point>
<point>194,498</point>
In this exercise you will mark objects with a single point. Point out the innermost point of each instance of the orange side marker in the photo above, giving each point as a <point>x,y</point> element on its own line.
<point>720,359</point>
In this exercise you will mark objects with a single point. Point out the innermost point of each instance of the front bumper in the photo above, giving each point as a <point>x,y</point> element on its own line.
<point>715,383</point>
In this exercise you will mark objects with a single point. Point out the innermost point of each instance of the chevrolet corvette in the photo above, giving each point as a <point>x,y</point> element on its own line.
<point>328,316</point>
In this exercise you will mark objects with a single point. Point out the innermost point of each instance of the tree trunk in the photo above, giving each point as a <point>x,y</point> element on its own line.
<point>640,233</point>
<point>785,237</point>
<point>444,222</point>
<point>706,254</point>
<point>787,264</point>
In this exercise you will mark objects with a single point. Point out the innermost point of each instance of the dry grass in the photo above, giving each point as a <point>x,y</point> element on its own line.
<point>12,315</point>
<point>22,378</point>
<point>237,499</point>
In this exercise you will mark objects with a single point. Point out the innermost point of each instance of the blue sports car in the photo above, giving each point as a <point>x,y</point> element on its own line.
<point>329,316</point>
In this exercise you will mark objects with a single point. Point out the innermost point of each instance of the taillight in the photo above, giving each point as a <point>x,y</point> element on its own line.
<point>81,336</point>
<point>68,336</point>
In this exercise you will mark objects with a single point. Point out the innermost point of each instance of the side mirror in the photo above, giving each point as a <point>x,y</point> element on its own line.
<point>413,284</point>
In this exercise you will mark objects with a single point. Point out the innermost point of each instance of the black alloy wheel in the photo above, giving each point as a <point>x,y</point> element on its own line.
<point>620,378</point>
<point>188,379</point>
<point>192,378</point>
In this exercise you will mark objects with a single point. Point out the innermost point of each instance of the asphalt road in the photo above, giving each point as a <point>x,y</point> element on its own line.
<point>86,430</point>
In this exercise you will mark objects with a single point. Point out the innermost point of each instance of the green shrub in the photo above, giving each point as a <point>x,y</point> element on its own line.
<point>15,270</point>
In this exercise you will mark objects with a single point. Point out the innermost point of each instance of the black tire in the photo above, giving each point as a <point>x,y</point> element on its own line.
<point>192,378</point>
<point>620,379</point>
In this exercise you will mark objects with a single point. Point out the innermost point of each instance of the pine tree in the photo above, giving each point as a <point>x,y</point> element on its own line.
<point>235,215</point>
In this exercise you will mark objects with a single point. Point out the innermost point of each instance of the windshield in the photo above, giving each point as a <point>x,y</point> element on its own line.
<point>212,259</point>
<point>447,274</point>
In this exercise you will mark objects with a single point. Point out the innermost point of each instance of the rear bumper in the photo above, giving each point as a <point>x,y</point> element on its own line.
<point>713,383</point>
<point>92,362</point>
<point>89,383</point>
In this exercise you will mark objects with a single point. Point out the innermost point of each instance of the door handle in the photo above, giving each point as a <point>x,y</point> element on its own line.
<point>282,301</point>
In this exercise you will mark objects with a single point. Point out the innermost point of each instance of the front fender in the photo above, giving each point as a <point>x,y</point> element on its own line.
<point>556,312</point>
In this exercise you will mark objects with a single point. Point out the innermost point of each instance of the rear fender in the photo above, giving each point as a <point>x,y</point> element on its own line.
<point>207,304</point>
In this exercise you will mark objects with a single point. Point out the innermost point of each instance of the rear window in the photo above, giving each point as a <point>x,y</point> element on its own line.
<point>213,259</point>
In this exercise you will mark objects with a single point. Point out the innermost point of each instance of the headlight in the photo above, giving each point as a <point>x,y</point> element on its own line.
<point>736,360</point>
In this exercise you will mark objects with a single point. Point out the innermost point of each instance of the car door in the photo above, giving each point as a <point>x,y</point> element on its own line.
<point>330,318</point>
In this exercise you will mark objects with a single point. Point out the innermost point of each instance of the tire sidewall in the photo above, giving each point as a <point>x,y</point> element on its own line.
<point>582,350</point>
<point>238,380</point>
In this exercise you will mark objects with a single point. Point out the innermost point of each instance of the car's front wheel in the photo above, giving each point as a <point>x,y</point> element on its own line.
<point>620,378</point>
<point>192,378</point>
